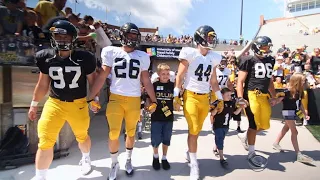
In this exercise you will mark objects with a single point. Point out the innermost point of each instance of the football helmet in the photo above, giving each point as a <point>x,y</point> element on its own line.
<point>130,35</point>
<point>223,64</point>
<point>262,46</point>
<point>206,37</point>
<point>63,27</point>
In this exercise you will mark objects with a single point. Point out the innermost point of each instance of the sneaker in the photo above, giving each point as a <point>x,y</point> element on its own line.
<point>129,168</point>
<point>165,164</point>
<point>304,158</point>
<point>305,122</point>
<point>277,147</point>
<point>85,165</point>
<point>140,135</point>
<point>156,163</point>
<point>257,161</point>
<point>194,172</point>
<point>244,142</point>
<point>239,130</point>
<point>113,171</point>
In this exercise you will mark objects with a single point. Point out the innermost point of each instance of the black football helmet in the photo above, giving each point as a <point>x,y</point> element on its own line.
<point>63,27</point>
<point>205,36</point>
<point>130,35</point>
<point>223,64</point>
<point>262,46</point>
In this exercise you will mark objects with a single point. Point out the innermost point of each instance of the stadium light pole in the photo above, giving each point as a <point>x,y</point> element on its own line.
<point>241,17</point>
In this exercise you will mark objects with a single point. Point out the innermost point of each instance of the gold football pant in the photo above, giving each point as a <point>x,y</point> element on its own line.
<point>119,108</point>
<point>259,110</point>
<point>196,107</point>
<point>304,100</point>
<point>55,113</point>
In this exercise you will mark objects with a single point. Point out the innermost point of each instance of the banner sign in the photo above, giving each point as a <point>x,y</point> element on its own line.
<point>17,50</point>
<point>164,52</point>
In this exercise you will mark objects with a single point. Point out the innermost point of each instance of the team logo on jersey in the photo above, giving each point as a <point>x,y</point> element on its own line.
<point>159,88</point>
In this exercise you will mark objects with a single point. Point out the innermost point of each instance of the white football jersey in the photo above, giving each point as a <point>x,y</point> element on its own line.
<point>222,77</point>
<point>200,68</point>
<point>126,69</point>
<point>155,77</point>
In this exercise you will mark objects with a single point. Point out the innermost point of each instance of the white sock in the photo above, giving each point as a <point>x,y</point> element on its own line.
<point>193,158</point>
<point>128,153</point>
<point>251,148</point>
<point>114,157</point>
<point>164,157</point>
<point>41,173</point>
<point>85,155</point>
<point>156,156</point>
<point>139,126</point>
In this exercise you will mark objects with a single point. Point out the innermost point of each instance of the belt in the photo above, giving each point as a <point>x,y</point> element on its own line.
<point>259,93</point>
<point>64,100</point>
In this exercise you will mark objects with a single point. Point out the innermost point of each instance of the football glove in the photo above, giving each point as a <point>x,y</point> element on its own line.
<point>217,104</point>
<point>95,104</point>
<point>177,103</point>
<point>152,107</point>
<point>280,94</point>
<point>241,101</point>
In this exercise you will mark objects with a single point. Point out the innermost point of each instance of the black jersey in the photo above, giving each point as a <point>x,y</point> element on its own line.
<point>164,94</point>
<point>68,75</point>
<point>222,120</point>
<point>259,72</point>
<point>290,102</point>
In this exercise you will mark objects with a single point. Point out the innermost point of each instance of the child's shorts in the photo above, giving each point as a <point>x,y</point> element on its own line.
<point>220,134</point>
<point>289,115</point>
<point>161,133</point>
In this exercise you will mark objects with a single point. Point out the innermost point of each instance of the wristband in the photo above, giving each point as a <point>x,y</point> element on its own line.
<point>34,103</point>
<point>218,94</point>
<point>96,98</point>
<point>176,92</point>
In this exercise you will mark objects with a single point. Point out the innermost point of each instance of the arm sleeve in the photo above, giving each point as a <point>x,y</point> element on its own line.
<point>106,56</point>
<point>186,54</point>
<point>145,64</point>
<point>90,63</point>
<point>244,65</point>
<point>41,62</point>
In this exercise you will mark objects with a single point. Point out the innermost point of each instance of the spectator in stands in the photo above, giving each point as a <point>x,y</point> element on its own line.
<point>47,10</point>
<point>169,39</point>
<point>288,68</point>
<point>309,76</point>
<point>88,20</point>
<point>30,28</point>
<point>279,67</point>
<point>11,20</point>
<point>315,61</point>
<point>68,10</point>
<point>284,51</point>
<point>74,19</point>
<point>278,83</point>
<point>299,57</point>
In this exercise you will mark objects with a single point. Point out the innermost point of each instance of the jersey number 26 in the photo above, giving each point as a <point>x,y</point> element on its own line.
<point>133,70</point>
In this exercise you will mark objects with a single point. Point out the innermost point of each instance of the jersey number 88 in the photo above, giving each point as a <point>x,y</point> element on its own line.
<point>263,70</point>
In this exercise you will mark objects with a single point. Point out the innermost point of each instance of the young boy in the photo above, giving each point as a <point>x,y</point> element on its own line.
<point>162,118</point>
<point>221,123</point>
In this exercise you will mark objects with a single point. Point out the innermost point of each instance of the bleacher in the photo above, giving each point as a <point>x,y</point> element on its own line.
<point>290,31</point>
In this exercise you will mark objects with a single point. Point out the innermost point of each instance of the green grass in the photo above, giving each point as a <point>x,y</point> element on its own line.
<point>315,131</point>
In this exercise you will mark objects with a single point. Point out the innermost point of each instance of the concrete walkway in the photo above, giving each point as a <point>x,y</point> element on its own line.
<point>281,165</point>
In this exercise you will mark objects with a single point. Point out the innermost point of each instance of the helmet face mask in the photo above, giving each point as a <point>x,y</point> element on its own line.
<point>62,42</point>
<point>262,47</point>
<point>63,35</point>
<point>130,35</point>
<point>206,37</point>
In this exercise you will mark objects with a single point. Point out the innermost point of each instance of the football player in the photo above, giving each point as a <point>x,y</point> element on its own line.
<point>66,72</point>
<point>128,67</point>
<point>255,72</point>
<point>223,74</point>
<point>198,66</point>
